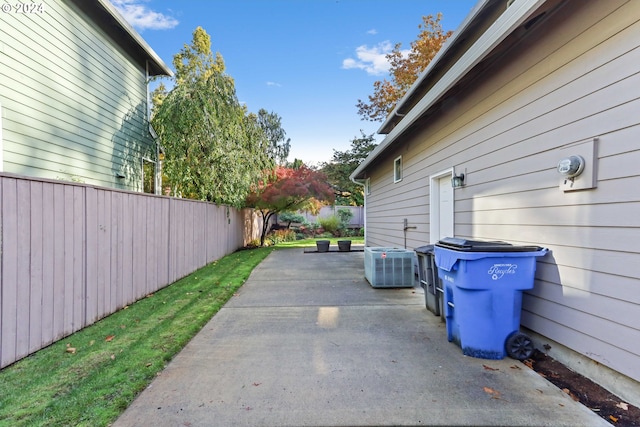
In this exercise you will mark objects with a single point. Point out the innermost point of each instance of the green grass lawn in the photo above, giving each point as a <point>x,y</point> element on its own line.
<point>312,242</point>
<point>90,377</point>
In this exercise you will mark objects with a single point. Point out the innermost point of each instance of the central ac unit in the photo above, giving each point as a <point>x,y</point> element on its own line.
<point>389,267</point>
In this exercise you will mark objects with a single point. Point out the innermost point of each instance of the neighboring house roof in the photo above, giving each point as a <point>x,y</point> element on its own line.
<point>105,15</point>
<point>487,32</point>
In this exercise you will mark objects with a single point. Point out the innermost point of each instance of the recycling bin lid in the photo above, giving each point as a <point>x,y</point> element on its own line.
<point>427,249</point>
<point>466,245</point>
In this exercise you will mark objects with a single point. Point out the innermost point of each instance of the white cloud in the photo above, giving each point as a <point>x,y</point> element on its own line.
<point>141,17</point>
<point>372,32</point>
<point>371,59</point>
<point>274,84</point>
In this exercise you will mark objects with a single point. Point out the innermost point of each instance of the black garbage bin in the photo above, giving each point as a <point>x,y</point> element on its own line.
<point>428,275</point>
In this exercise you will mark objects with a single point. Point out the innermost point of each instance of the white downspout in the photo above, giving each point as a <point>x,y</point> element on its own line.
<point>154,135</point>
<point>362,182</point>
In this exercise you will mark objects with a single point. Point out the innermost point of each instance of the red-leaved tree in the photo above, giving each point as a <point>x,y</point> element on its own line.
<point>288,189</point>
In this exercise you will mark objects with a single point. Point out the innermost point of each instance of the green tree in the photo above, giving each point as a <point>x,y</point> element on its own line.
<point>279,147</point>
<point>296,164</point>
<point>214,150</point>
<point>342,164</point>
<point>404,70</point>
<point>289,217</point>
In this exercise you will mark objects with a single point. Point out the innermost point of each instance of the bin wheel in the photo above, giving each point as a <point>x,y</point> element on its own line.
<point>519,346</point>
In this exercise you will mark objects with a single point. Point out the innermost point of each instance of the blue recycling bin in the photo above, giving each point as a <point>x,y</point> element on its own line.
<point>483,284</point>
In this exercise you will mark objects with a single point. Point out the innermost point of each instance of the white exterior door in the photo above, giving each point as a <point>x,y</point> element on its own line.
<point>441,206</point>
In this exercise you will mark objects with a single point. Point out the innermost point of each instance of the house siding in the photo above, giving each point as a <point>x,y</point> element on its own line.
<point>574,78</point>
<point>74,104</point>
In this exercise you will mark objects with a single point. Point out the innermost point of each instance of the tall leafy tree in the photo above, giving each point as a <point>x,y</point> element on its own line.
<point>288,190</point>
<point>214,150</point>
<point>404,69</point>
<point>279,145</point>
<point>342,164</point>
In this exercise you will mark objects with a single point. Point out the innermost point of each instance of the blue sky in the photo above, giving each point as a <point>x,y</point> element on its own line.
<point>309,61</point>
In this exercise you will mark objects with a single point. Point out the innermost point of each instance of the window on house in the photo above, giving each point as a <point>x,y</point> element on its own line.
<point>367,186</point>
<point>397,169</point>
<point>149,176</point>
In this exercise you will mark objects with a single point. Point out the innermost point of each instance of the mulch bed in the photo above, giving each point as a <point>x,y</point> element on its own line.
<point>583,390</point>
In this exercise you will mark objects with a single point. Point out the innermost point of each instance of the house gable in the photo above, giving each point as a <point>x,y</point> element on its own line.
<point>74,100</point>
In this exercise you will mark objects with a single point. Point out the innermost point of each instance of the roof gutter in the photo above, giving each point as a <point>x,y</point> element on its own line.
<point>451,41</point>
<point>512,18</point>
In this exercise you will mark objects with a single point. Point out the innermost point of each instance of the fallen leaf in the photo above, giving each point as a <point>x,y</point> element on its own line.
<point>109,338</point>
<point>256,384</point>
<point>573,396</point>
<point>113,357</point>
<point>148,364</point>
<point>494,394</point>
<point>623,405</point>
<point>489,368</point>
<point>70,349</point>
<point>149,296</point>
<point>528,362</point>
<point>515,367</point>
<point>612,418</point>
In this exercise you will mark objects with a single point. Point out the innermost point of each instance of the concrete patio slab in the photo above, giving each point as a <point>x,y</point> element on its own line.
<point>306,341</point>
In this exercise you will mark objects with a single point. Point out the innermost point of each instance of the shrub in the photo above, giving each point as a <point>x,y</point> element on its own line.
<point>345,216</point>
<point>280,236</point>
<point>330,224</point>
<point>289,217</point>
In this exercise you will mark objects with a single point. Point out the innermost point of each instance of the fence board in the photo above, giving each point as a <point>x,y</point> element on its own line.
<point>9,271</point>
<point>58,262</point>
<point>22,292</point>
<point>73,253</point>
<point>48,264</point>
<point>35,267</point>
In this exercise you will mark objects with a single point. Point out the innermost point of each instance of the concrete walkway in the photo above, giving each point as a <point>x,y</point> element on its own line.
<point>307,341</point>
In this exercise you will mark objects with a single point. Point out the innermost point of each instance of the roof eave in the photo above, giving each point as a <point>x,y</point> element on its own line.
<point>509,21</point>
<point>126,35</point>
<point>392,118</point>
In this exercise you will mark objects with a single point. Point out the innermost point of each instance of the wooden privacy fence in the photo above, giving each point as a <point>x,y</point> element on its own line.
<point>72,254</point>
<point>357,220</point>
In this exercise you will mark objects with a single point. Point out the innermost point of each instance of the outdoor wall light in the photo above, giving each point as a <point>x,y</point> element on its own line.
<point>457,180</point>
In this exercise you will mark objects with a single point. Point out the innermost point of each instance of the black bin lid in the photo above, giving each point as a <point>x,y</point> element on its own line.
<point>427,249</point>
<point>466,245</point>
